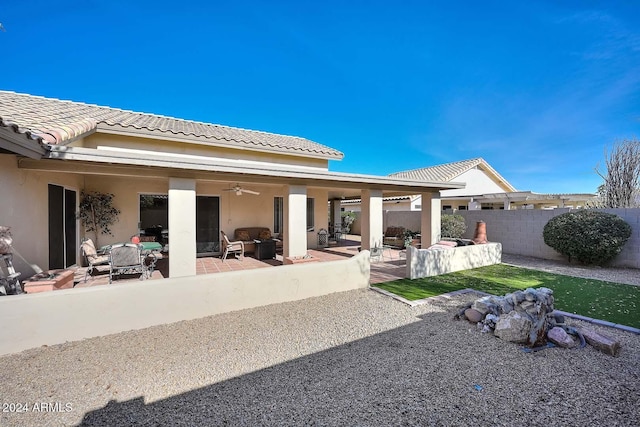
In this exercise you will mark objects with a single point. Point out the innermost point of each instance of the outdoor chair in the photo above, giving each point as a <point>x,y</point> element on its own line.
<point>93,257</point>
<point>231,247</point>
<point>127,258</point>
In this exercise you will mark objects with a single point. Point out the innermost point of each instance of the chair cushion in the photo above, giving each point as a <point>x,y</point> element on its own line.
<point>89,248</point>
<point>264,235</point>
<point>243,235</point>
<point>102,259</point>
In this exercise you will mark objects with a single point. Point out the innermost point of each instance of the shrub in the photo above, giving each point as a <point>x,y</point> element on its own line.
<point>590,237</point>
<point>452,226</point>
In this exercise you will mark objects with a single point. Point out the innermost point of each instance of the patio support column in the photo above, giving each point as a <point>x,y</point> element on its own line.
<point>295,221</point>
<point>336,213</point>
<point>430,219</point>
<point>507,205</point>
<point>371,219</point>
<point>182,227</point>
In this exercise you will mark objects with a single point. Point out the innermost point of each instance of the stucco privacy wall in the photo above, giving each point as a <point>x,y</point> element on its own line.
<point>68,315</point>
<point>434,262</point>
<point>520,232</point>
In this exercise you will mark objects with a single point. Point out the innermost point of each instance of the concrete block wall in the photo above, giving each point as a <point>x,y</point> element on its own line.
<point>520,232</point>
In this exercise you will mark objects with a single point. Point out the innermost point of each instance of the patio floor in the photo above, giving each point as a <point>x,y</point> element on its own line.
<point>391,266</point>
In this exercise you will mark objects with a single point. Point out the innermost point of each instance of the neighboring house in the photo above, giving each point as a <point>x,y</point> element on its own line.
<point>484,188</point>
<point>180,174</point>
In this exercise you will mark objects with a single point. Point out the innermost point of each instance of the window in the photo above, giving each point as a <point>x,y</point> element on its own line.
<point>462,208</point>
<point>310,214</point>
<point>278,204</point>
<point>446,207</point>
<point>278,209</point>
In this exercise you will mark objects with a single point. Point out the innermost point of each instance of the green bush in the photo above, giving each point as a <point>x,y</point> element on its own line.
<point>590,237</point>
<point>452,226</point>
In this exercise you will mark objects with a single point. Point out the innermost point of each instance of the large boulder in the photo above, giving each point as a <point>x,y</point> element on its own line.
<point>514,327</point>
<point>560,337</point>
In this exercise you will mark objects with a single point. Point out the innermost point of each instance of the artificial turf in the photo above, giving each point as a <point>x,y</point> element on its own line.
<point>614,302</point>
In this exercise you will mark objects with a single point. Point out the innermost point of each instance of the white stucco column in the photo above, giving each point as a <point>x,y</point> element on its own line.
<point>371,217</point>
<point>182,227</point>
<point>295,221</point>
<point>336,212</point>
<point>430,219</point>
<point>507,205</point>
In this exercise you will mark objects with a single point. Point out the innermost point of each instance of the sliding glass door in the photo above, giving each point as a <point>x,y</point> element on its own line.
<point>207,225</point>
<point>154,218</point>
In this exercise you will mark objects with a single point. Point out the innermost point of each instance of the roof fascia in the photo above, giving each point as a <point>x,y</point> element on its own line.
<point>201,140</point>
<point>20,143</point>
<point>272,171</point>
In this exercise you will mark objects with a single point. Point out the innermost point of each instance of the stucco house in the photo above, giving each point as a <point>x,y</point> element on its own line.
<point>180,174</point>
<point>484,188</point>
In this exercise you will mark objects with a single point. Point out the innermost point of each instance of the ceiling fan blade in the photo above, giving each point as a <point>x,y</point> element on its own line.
<point>250,192</point>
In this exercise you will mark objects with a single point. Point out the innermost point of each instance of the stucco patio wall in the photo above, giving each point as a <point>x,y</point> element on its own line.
<point>434,262</point>
<point>520,232</point>
<point>49,318</point>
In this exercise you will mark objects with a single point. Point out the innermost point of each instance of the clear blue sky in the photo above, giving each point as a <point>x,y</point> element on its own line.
<point>537,88</point>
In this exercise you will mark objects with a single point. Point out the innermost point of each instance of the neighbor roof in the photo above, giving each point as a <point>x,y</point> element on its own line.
<point>57,122</point>
<point>449,171</point>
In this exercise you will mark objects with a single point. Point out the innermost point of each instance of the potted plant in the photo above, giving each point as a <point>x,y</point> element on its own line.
<point>97,213</point>
<point>411,238</point>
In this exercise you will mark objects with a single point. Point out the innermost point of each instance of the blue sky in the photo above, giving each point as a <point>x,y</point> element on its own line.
<point>536,88</point>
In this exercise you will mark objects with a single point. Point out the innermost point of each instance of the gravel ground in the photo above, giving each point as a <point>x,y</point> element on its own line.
<point>351,358</point>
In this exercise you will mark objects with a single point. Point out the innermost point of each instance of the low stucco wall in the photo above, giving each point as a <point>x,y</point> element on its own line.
<point>433,262</point>
<point>68,315</point>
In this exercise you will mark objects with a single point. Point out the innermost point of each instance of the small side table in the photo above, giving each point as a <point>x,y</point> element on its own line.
<point>265,249</point>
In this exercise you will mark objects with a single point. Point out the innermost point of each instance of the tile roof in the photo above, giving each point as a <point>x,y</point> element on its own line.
<point>449,171</point>
<point>54,121</point>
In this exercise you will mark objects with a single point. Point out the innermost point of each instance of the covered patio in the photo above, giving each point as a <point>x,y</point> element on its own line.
<point>390,266</point>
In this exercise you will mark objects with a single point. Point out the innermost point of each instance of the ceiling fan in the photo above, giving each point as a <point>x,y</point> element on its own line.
<point>239,190</point>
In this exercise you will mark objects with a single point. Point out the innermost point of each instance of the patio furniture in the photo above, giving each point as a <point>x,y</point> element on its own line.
<point>248,235</point>
<point>231,247</point>
<point>394,236</point>
<point>265,249</point>
<point>127,258</point>
<point>94,258</point>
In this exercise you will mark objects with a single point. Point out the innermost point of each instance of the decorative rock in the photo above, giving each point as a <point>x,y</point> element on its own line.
<point>513,327</point>
<point>473,315</point>
<point>559,318</point>
<point>483,305</point>
<point>601,342</point>
<point>530,294</point>
<point>559,337</point>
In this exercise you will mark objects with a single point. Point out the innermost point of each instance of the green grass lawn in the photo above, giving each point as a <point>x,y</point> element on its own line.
<point>614,302</point>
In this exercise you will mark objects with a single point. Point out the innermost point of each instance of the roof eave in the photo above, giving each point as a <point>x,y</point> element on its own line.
<point>22,143</point>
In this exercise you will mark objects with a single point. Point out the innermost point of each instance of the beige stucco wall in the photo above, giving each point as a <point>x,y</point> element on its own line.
<point>56,317</point>
<point>24,207</point>
<point>176,147</point>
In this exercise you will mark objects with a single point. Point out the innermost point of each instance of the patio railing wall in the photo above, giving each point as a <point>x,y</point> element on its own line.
<point>73,314</point>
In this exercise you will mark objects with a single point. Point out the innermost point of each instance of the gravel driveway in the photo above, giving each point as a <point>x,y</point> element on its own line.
<point>352,358</point>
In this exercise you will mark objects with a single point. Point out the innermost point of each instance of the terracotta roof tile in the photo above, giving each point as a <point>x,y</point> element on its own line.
<point>449,171</point>
<point>57,122</point>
